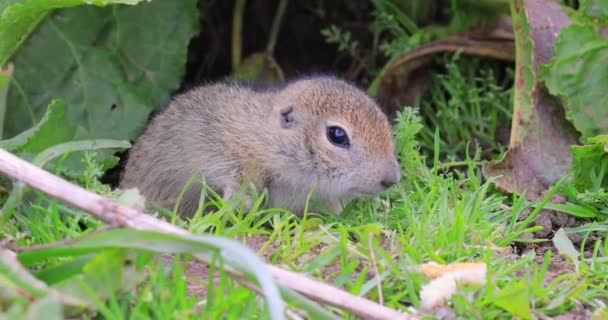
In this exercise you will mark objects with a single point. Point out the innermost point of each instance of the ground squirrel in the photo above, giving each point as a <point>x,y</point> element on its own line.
<point>317,131</point>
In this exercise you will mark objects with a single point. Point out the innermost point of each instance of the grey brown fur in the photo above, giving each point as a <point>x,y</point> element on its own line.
<point>277,139</point>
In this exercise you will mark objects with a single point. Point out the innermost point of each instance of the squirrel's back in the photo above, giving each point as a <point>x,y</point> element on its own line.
<point>203,129</point>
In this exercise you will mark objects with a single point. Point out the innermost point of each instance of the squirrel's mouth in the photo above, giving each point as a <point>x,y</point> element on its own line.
<point>363,193</point>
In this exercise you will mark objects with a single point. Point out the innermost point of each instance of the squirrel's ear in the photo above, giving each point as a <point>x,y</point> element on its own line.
<point>287,119</point>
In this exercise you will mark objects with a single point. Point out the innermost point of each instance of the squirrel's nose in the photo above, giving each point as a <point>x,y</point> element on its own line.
<point>392,177</point>
<point>387,183</point>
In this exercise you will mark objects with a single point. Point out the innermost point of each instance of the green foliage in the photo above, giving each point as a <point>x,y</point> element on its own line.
<point>53,136</point>
<point>590,164</point>
<point>20,18</point>
<point>407,127</point>
<point>5,75</point>
<point>470,92</point>
<point>589,173</point>
<point>594,8</point>
<point>391,18</point>
<point>112,66</point>
<point>577,74</point>
<point>107,270</point>
<point>597,199</point>
<point>334,34</point>
<point>515,298</point>
<point>52,129</point>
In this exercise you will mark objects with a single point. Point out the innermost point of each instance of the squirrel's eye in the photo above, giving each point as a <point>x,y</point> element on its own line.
<point>338,136</point>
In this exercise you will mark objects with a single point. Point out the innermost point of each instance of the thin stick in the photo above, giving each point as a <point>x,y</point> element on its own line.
<point>116,215</point>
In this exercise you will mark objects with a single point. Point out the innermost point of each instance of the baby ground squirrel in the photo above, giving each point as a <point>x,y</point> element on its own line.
<point>317,132</point>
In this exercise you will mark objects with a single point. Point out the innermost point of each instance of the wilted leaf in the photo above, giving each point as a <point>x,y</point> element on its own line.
<point>112,66</point>
<point>515,298</point>
<point>563,244</point>
<point>405,78</point>
<point>538,154</point>
<point>19,19</point>
<point>590,164</point>
<point>577,73</point>
<point>259,66</point>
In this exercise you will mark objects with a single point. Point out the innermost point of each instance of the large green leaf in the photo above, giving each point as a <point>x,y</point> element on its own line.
<point>578,74</point>
<point>52,129</point>
<point>19,18</point>
<point>539,153</point>
<point>112,66</point>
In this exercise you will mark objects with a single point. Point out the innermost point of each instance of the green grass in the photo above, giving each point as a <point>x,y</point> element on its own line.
<point>468,104</point>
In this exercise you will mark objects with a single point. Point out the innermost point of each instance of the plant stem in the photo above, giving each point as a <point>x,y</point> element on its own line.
<point>237,32</point>
<point>276,26</point>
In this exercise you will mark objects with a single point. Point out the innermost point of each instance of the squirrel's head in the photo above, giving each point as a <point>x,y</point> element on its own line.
<point>333,136</point>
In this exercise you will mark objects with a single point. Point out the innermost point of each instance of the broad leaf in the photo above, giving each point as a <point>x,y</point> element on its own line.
<point>577,73</point>
<point>52,129</point>
<point>20,18</point>
<point>538,154</point>
<point>54,135</point>
<point>112,66</point>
